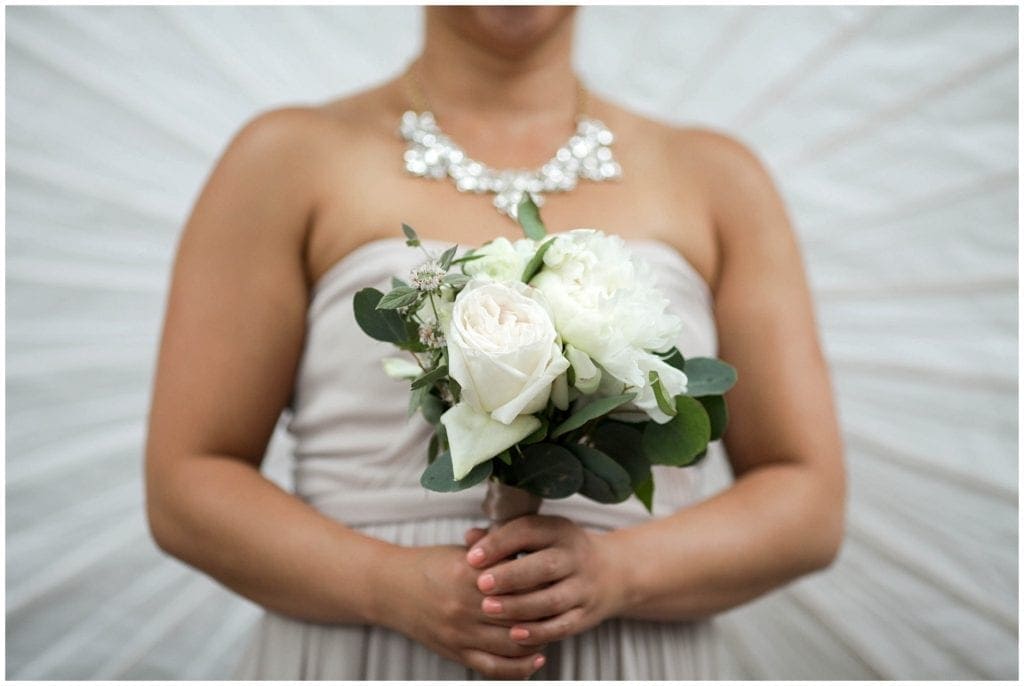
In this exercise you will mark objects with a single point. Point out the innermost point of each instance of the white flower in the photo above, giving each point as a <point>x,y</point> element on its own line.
<point>427,276</point>
<point>502,260</point>
<point>605,304</point>
<point>505,354</point>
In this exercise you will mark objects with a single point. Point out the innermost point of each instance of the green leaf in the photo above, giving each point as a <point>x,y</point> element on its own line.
<point>411,238</point>
<point>673,357</point>
<point>447,256</point>
<point>547,470</point>
<point>438,476</point>
<point>398,297</point>
<point>593,410</point>
<point>718,413</point>
<point>529,218</point>
<point>622,442</point>
<point>456,280</point>
<point>506,457</point>
<point>433,447</point>
<point>416,399</point>
<point>604,480</point>
<point>381,325</point>
<point>679,441</point>
<point>536,262</point>
<point>430,377</point>
<point>468,257</point>
<point>645,494</point>
<point>432,408</point>
<point>708,376</point>
<point>396,282</point>
<point>664,403</point>
<point>540,434</point>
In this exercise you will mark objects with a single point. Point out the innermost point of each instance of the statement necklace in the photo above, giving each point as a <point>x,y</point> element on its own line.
<point>432,154</point>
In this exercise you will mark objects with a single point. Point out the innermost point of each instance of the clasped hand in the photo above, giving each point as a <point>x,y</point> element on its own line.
<point>566,583</point>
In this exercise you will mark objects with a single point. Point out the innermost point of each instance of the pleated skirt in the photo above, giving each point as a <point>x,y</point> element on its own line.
<point>283,648</point>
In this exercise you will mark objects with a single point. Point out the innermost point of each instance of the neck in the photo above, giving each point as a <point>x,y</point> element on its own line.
<point>461,80</point>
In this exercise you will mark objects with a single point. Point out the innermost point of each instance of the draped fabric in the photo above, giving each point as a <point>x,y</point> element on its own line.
<point>890,131</point>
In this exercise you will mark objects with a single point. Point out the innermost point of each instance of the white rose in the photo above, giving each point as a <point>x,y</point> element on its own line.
<point>505,354</point>
<point>606,304</point>
<point>502,260</point>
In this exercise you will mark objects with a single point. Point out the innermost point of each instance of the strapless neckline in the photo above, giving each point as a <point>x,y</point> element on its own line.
<point>338,267</point>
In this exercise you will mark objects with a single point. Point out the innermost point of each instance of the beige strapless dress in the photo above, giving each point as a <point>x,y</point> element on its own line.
<point>358,459</point>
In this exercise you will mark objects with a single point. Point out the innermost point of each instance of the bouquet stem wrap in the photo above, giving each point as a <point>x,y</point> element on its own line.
<point>503,503</point>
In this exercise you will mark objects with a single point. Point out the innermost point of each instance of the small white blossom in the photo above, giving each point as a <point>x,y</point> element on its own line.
<point>431,336</point>
<point>427,276</point>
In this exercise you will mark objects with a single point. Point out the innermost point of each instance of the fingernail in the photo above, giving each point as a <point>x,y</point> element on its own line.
<point>519,634</point>
<point>492,605</point>
<point>486,582</point>
<point>538,662</point>
<point>475,555</point>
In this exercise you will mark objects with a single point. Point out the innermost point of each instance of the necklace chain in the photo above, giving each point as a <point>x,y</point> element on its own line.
<point>432,154</point>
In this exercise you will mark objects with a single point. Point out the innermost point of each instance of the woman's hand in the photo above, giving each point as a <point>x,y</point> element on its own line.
<point>438,605</point>
<point>569,583</point>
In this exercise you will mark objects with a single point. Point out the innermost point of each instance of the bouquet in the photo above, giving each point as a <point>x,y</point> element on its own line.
<point>546,366</point>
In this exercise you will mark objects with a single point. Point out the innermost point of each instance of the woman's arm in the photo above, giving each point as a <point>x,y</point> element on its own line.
<point>783,516</point>
<point>231,344</point>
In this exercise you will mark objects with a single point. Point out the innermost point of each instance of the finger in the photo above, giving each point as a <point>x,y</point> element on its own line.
<point>473,535</point>
<point>495,640</point>
<point>528,533</point>
<point>549,630</point>
<point>497,667</point>
<point>526,573</point>
<point>548,602</point>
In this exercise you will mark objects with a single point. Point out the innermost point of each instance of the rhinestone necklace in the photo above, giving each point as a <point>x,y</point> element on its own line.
<point>432,154</point>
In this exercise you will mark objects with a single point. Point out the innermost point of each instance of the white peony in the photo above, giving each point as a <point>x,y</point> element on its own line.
<point>502,260</point>
<point>505,354</point>
<point>606,304</point>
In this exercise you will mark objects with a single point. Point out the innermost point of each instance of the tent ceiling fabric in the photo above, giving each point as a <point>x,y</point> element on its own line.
<point>890,130</point>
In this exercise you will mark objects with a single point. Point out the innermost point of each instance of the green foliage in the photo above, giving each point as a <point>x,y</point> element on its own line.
<point>674,358</point>
<point>548,470</point>
<point>645,493</point>
<point>718,413</point>
<point>430,377</point>
<point>537,261</point>
<point>411,239</point>
<point>447,256</point>
<point>456,280</point>
<point>439,475</point>
<point>622,442</point>
<point>432,408</point>
<point>529,218</point>
<point>400,296</point>
<point>604,480</point>
<point>679,441</point>
<point>381,325</point>
<point>665,404</point>
<point>708,376</point>
<point>593,410</point>
<point>540,434</point>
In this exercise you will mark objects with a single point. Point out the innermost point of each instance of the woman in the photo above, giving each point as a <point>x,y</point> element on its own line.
<point>362,574</point>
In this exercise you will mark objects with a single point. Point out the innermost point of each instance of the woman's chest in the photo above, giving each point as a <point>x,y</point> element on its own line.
<point>368,195</point>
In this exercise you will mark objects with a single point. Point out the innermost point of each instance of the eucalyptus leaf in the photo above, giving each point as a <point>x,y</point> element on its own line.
<point>604,480</point>
<point>398,297</point>
<point>645,494</point>
<point>411,239</point>
<point>592,410</point>
<point>540,434</point>
<point>432,408</point>
<point>438,476</point>
<point>547,470</point>
<point>718,413</point>
<point>396,282</point>
<point>433,447</point>
<point>679,441</point>
<point>529,218</point>
<point>381,325</point>
<point>674,358</point>
<point>416,399</point>
<point>537,261</point>
<point>456,280</point>
<point>622,442</point>
<point>430,377</point>
<point>708,376</point>
<point>447,256</point>
<point>665,404</point>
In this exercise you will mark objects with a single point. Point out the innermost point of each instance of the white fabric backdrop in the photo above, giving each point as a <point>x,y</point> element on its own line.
<point>892,133</point>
